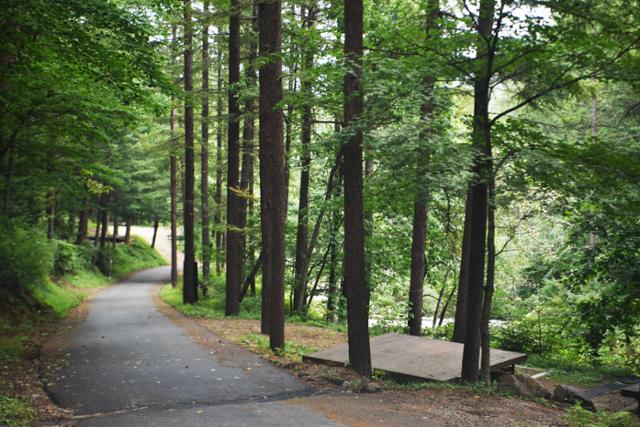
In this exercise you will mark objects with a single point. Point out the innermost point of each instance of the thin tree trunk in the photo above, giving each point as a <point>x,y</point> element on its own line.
<point>273,199</point>
<point>234,263</point>
<point>156,223</point>
<point>301,263</point>
<point>96,235</point>
<point>204,153</point>
<point>336,220</point>
<point>446,305</point>
<point>127,232</point>
<point>251,277</point>
<point>104,228</point>
<point>189,287</point>
<point>460,324</point>
<point>478,214</point>
<point>217,219</point>
<point>246,178</point>
<point>83,222</point>
<point>356,289</point>
<point>485,363</point>
<point>419,238</point>
<point>173,185</point>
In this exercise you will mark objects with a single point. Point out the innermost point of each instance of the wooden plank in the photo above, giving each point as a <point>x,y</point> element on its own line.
<point>631,391</point>
<point>415,357</point>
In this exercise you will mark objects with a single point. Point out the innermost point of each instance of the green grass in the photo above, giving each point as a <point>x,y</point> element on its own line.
<point>292,351</point>
<point>212,306</point>
<point>137,256</point>
<point>15,412</point>
<point>577,416</point>
<point>570,372</point>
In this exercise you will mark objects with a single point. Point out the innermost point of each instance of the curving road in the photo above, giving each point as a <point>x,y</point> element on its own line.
<point>126,363</point>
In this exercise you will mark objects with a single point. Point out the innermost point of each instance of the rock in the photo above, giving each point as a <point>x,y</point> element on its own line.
<point>524,386</point>
<point>336,381</point>
<point>369,387</point>
<point>569,394</point>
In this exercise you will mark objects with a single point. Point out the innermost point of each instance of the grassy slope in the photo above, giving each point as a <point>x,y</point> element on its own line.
<point>21,317</point>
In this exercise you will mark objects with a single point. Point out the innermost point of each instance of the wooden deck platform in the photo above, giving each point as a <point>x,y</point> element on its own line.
<point>416,358</point>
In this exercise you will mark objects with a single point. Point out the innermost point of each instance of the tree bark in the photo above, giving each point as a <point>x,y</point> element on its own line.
<point>273,199</point>
<point>356,289</point>
<point>301,262</point>
<point>460,324</point>
<point>127,232</point>
<point>332,297</point>
<point>478,189</point>
<point>96,235</point>
<point>234,263</point>
<point>104,227</point>
<point>156,223</point>
<point>173,181</point>
<point>189,286</point>
<point>83,222</point>
<point>204,153</point>
<point>246,177</point>
<point>419,237</point>
<point>485,361</point>
<point>217,218</point>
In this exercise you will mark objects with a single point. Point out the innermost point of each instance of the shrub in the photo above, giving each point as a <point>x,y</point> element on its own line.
<point>26,256</point>
<point>66,259</point>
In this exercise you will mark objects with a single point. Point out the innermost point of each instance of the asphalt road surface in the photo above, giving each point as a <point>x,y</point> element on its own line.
<point>126,363</point>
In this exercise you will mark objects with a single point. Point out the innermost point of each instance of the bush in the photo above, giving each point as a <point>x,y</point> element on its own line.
<point>66,259</point>
<point>26,256</point>
<point>580,417</point>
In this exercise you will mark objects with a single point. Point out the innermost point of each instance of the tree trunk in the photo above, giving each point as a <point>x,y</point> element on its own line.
<point>127,232</point>
<point>217,218</point>
<point>96,235</point>
<point>234,263</point>
<point>246,178</point>
<point>273,192</point>
<point>478,190</point>
<point>83,222</point>
<point>460,324</point>
<point>204,153</point>
<point>104,227</point>
<point>301,262</point>
<point>115,231</point>
<point>173,185</point>
<point>419,237</point>
<point>485,363</point>
<point>156,223</point>
<point>189,287</point>
<point>356,289</point>
<point>336,220</point>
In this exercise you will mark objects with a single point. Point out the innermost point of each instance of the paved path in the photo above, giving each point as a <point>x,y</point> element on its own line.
<point>128,364</point>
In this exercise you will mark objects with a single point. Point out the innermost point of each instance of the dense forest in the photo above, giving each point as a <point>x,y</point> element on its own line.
<point>466,170</point>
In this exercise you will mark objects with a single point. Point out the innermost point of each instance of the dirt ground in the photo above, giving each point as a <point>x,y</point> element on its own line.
<point>346,398</point>
<point>23,378</point>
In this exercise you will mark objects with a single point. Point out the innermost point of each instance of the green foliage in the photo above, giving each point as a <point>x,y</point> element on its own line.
<point>25,255</point>
<point>16,412</point>
<point>570,371</point>
<point>68,258</point>
<point>125,259</point>
<point>577,416</point>
<point>58,298</point>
